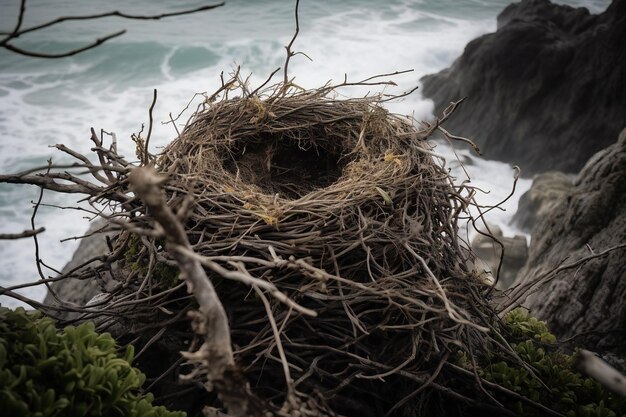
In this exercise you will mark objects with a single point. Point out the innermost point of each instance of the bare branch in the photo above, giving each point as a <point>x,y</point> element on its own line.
<point>18,31</point>
<point>290,53</point>
<point>146,153</point>
<point>115,13</point>
<point>25,233</point>
<point>605,374</point>
<point>215,356</point>
<point>92,45</point>
<point>18,25</point>
<point>47,182</point>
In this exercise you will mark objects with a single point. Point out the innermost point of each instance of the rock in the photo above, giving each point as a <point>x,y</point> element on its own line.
<point>545,91</point>
<point>586,300</point>
<point>541,198</point>
<point>76,291</point>
<point>488,252</point>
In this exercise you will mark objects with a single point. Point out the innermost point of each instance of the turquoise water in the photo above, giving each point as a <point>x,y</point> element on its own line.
<point>45,102</point>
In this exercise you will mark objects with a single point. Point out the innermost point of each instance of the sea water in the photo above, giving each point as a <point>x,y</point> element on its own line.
<point>46,102</point>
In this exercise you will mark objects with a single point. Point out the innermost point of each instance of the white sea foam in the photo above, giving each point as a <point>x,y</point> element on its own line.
<point>48,102</point>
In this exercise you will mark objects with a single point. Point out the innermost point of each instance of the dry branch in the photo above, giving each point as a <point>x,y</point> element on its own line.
<point>25,233</point>
<point>589,364</point>
<point>215,356</point>
<point>18,31</point>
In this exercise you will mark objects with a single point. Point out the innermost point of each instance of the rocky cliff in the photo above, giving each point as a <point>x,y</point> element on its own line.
<point>587,300</point>
<point>546,91</point>
<point>76,291</point>
<point>538,202</point>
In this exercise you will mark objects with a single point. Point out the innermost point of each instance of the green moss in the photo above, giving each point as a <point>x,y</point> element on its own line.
<point>164,276</point>
<point>74,372</point>
<point>131,255</point>
<point>568,391</point>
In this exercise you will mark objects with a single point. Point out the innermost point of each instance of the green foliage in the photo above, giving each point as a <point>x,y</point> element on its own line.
<point>74,372</point>
<point>567,390</point>
<point>523,325</point>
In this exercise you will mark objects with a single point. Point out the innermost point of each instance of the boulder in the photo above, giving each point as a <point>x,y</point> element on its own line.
<point>536,203</point>
<point>545,91</point>
<point>76,291</point>
<point>586,300</point>
<point>488,253</point>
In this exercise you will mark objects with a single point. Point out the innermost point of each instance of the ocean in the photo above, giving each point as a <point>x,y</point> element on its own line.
<point>45,102</point>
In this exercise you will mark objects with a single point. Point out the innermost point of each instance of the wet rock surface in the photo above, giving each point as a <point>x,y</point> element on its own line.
<point>546,91</point>
<point>76,291</point>
<point>539,201</point>
<point>586,301</point>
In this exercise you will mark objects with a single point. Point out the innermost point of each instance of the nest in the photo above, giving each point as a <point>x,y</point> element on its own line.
<point>330,233</point>
<point>342,207</point>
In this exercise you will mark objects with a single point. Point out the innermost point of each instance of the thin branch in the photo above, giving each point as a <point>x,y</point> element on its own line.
<point>47,182</point>
<point>32,224</point>
<point>33,54</point>
<point>146,153</point>
<point>25,233</point>
<point>115,13</point>
<point>17,31</point>
<point>523,291</point>
<point>18,25</point>
<point>591,365</point>
<point>290,53</point>
<point>245,278</point>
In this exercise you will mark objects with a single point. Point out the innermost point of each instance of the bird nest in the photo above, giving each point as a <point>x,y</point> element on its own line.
<point>341,207</point>
<point>330,233</point>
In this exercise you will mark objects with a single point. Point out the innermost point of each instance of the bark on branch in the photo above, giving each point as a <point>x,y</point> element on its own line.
<point>25,233</point>
<point>215,356</point>
<point>591,365</point>
<point>19,31</point>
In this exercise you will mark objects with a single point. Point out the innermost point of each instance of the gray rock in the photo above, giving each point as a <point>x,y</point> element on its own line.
<point>76,291</point>
<point>536,203</point>
<point>488,253</point>
<point>586,301</point>
<point>546,91</point>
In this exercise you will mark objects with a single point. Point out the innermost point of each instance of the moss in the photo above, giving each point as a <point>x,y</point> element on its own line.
<point>131,255</point>
<point>164,276</point>
<point>568,391</point>
<point>167,276</point>
<point>72,372</point>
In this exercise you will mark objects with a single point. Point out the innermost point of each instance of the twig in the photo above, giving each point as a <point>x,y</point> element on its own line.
<point>245,278</point>
<point>593,366</point>
<point>290,53</point>
<point>32,224</point>
<point>48,182</point>
<point>506,391</point>
<point>523,291</point>
<point>73,52</point>
<point>279,345</point>
<point>18,31</point>
<point>25,233</point>
<point>146,154</point>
